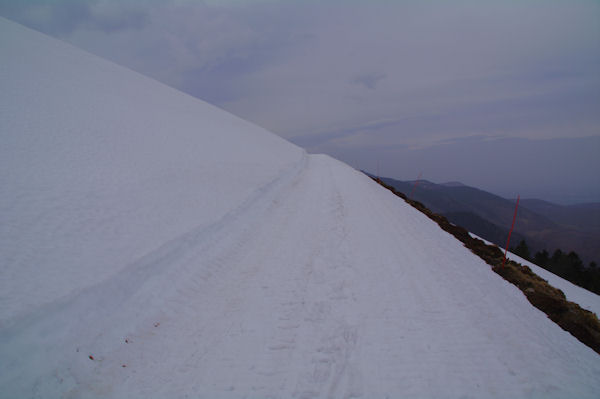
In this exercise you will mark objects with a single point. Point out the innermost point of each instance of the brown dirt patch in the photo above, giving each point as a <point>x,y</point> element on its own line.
<point>581,323</point>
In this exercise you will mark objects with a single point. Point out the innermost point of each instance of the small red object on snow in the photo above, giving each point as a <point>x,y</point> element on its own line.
<point>91,357</point>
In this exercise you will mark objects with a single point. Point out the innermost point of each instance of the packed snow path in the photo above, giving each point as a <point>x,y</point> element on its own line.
<point>324,285</point>
<point>154,246</point>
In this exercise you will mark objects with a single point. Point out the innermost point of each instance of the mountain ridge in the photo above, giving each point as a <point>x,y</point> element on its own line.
<point>155,246</point>
<point>542,224</point>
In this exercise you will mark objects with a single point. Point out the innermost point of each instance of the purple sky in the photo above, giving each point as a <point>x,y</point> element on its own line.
<point>502,95</point>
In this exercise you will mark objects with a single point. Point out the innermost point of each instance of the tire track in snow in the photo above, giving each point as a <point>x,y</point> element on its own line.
<point>331,326</point>
<point>156,287</point>
<point>300,294</point>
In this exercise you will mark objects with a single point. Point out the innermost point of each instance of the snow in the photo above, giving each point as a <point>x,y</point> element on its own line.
<point>192,254</point>
<point>584,298</point>
<point>95,172</point>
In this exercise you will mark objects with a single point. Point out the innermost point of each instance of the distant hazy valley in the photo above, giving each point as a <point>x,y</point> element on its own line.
<point>543,225</point>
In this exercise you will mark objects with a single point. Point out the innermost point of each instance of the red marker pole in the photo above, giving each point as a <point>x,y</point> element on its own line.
<point>415,185</point>
<point>510,232</point>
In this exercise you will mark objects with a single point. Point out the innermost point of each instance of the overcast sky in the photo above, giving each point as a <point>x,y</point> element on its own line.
<point>502,95</point>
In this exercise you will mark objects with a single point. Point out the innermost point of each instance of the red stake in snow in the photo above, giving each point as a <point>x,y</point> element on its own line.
<point>510,232</point>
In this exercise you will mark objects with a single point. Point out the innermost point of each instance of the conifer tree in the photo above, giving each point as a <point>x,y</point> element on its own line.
<point>522,250</point>
<point>541,258</point>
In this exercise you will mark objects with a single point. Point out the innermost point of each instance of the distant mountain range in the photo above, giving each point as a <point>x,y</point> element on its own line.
<point>543,225</point>
<point>153,245</point>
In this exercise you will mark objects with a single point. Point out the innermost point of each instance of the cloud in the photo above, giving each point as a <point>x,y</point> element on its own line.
<point>58,18</point>
<point>109,16</point>
<point>437,61</point>
<point>205,50</point>
<point>63,17</point>
<point>357,77</point>
<point>369,80</point>
<point>323,137</point>
<point>505,166</point>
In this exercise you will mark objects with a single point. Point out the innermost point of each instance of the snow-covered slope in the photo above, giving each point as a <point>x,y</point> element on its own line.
<point>154,246</point>
<point>100,166</point>
<point>584,298</point>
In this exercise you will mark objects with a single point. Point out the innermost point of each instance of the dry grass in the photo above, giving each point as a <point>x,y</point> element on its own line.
<point>581,323</point>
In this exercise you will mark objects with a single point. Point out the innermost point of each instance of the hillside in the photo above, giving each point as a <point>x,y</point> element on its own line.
<point>542,224</point>
<point>155,246</point>
<point>584,217</point>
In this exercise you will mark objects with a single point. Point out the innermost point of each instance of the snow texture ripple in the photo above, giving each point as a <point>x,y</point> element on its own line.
<point>154,246</point>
